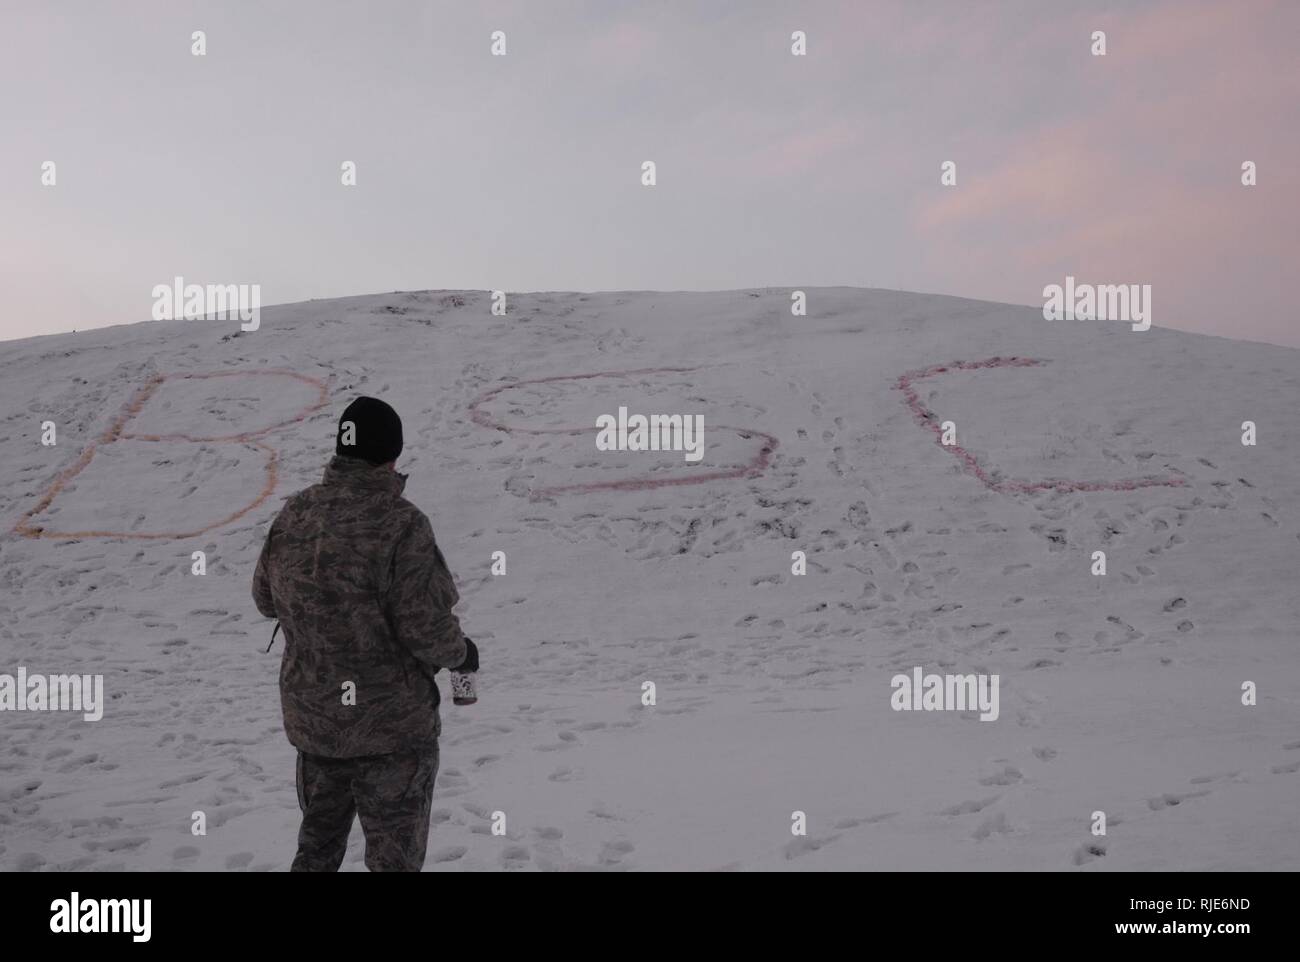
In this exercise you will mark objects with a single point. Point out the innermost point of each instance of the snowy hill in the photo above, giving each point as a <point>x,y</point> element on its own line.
<point>1120,693</point>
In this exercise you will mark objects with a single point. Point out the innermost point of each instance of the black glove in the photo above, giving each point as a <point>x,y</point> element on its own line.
<point>471,658</point>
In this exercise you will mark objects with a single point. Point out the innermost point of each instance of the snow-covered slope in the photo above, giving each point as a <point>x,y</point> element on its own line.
<point>1119,693</point>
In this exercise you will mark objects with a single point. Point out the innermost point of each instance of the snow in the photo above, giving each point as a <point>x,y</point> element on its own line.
<point>1119,693</point>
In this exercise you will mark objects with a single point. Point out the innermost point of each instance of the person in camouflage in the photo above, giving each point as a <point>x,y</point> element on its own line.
<point>362,592</point>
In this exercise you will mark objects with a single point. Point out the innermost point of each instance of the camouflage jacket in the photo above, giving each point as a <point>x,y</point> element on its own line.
<point>351,570</point>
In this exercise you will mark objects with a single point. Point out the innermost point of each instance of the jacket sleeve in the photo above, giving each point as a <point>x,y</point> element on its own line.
<point>262,578</point>
<point>421,595</point>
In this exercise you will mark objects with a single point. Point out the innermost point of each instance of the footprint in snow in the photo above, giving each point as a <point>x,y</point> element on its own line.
<point>994,824</point>
<point>1169,800</point>
<point>968,807</point>
<point>1088,851</point>
<point>807,844</point>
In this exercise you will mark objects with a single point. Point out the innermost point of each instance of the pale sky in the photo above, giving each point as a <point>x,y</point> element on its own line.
<point>523,172</point>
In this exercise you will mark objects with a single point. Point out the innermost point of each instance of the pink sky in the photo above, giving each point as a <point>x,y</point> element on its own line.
<point>1143,182</point>
<point>523,172</point>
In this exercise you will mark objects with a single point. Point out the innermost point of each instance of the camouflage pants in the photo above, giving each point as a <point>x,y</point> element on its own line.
<point>392,794</point>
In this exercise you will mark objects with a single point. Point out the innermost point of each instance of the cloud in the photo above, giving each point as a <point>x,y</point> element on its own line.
<point>1140,180</point>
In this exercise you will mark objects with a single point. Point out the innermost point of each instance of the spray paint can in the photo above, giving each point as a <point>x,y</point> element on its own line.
<point>464,691</point>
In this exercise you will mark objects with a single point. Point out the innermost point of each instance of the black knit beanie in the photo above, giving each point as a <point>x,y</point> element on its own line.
<point>376,433</point>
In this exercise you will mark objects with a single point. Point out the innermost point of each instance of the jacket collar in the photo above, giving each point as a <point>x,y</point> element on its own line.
<point>356,473</point>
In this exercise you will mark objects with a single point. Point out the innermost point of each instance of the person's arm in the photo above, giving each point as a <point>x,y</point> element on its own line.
<point>421,595</point>
<point>262,578</point>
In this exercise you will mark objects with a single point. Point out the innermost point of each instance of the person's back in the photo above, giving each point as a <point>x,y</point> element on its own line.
<point>352,571</point>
